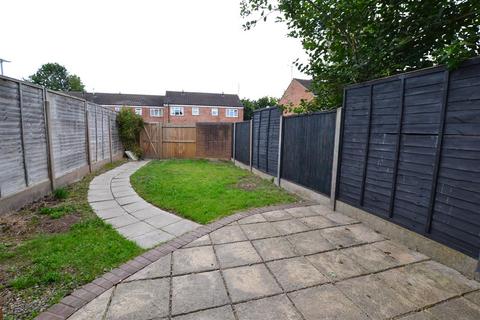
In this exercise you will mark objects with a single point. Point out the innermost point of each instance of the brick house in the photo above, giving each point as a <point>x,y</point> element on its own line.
<point>297,90</point>
<point>175,106</point>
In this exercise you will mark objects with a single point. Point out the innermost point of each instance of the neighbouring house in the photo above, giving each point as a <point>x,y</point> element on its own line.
<point>174,106</point>
<point>297,90</point>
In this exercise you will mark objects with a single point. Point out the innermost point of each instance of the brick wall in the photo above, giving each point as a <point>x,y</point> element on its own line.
<point>294,94</point>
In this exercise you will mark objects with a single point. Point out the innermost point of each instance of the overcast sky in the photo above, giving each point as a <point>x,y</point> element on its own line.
<point>148,47</point>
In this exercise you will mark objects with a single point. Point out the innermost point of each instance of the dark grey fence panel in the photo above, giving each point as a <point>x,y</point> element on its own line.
<point>266,127</point>
<point>242,142</point>
<point>411,152</point>
<point>307,154</point>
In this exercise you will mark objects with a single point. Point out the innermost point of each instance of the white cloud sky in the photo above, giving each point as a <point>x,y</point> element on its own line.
<point>149,46</point>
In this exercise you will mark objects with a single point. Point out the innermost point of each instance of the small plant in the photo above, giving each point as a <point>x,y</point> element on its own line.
<point>129,127</point>
<point>56,212</point>
<point>60,193</point>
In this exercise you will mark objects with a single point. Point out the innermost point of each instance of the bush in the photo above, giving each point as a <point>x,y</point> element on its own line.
<point>60,193</point>
<point>129,127</point>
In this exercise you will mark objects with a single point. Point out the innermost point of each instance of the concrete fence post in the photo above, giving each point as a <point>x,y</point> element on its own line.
<point>22,133</point>
<point>49,133</point>
<point>87,138</point>
<point>336,164</point>
<point>280,150</point>
<point>251,143</point>
<point>234,141</point>
<point>110,137</point>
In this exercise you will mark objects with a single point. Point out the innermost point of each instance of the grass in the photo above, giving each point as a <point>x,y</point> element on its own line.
<point>51,247</point>
<point>203,190</point>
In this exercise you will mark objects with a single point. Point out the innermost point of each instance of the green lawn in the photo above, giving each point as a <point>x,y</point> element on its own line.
<point>54,246</point>
<point>203,190</point>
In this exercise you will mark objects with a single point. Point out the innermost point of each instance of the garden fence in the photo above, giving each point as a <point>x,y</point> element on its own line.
<point>48,140</point>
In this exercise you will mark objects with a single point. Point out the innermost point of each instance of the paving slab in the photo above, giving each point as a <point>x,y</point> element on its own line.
<point>260,230</point>
<point>309,242</point>
<point>202,241</point>
<point>473,297</point>
<point>326,302</point>
<point>158,269</point>
<point>136,229</point>
<point>236,254</point>
<point>121,220</point>
<point>336,265</point>
<point>198,291</point>
<point>95,309</point>
<point>400,253</point>
<point>227,234</point>
<point>286,227</point>
<point>148,212</point>
<point>422,315</point>
<point>253,219</point>
<point>458,309</point>
<point>371,258</point>
<point>274,248</point>
<point>221,313</point>
<point>196,259</point>
<point>180,227</point>
<point>160,220</point>
<point>300,212</point>
<point>132,207</point>
<point>271,308</point>
<point>277,215</point>
<point>152,239</point>
<point>350,235</point>
<point>110,212</point>
<point>296,273</point>
<point>318,222</point>
<point>139,300</point>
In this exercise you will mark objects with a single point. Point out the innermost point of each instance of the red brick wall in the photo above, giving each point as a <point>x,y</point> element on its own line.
<point>294,94</point>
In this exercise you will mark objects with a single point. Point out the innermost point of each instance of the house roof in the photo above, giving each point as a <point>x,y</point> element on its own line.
<point>120,98</point>
<point>202,99</point>
<point>307,83</point>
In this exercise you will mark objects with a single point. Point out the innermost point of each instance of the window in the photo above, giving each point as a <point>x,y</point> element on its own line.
<point>118,109</point>
<point>138,111</point>
<point>176,111</point>
<point>156,112</point>
<point>215,112</point>
<point>195,111</point>
<point>231,113</point>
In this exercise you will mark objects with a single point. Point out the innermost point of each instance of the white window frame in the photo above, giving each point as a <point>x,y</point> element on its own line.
<point>214,112</point>
<point>231,113</point>
<point>117,109</point>
<point>138,111</point>
<point>195,111</point>
<point>177,111</point>
<point>156,112</point>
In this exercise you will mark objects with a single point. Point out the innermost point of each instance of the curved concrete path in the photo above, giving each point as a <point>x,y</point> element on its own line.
<point>113,199</point>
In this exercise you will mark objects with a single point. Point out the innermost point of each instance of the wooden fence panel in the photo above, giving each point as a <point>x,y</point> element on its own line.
<point>214,140</point>
<point>242,142</point>
<point>179,141</point>
<point>266,128</point>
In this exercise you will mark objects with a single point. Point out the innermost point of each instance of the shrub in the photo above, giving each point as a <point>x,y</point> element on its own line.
<point>129,127</point>
<point>60,193</point>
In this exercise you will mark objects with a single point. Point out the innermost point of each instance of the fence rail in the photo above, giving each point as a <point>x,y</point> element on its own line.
<point>49,138</point>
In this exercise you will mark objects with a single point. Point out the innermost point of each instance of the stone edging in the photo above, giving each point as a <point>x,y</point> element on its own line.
<point>83,295</point>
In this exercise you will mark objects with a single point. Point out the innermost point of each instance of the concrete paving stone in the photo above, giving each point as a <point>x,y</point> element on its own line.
<point>135,229</point>
<point>473,297</point>
<point>321,209</point>
<point>221,313</point>
<point>318,222</point>
<point>236,254</point>
<point>128,200</point>
<point>277,215</point>
<point>296,273</point>
<point>95,309</point>
<point>122,189</point>
<point>104,205</point>
<point>301,212</point>
<point>196,259</point>
<point>325,302</point>
<point>375,297</point>
<point>250,282</point>
<point>339,218</point>
<point>180,227</point>
<point>140,300</point>
<point>99,192</point>
<point>414,286</point>
<point>160,219</point>
<point>371,258</point>
<point>152,239</point>
<point>110,212</point>
<point>458,309</point>
<point>120,194</point>
<point>121,221</point>
<point>198,291</point>
<point>252,219</point>
<point>309,242</point>
<point>202,241</point>
<point>148,212</point>
<point>157,269</point>
<point>130,208</point>
<point>99,186</point>
<point>271,308</point>
<point>286,227</point>
<point>274,248</point>
<point>422,315</point>
<point>350,235</point>
<point>99,197</point>
<point>336,265</point>
<point>260,230</point>
<point>400,253</point>
<point>227,234</point>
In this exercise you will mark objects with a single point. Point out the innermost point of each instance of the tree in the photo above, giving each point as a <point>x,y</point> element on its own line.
<point>350,41</point>
<point>56,77</point>
<point>130,125</point>
<point>252,105</point>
